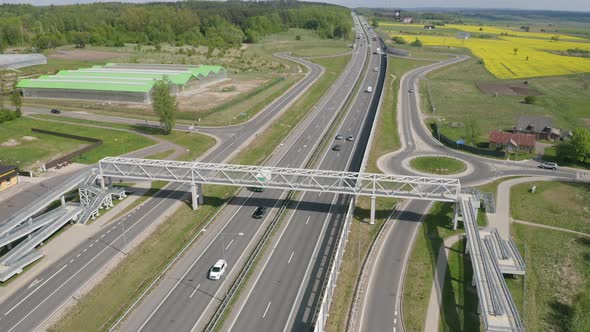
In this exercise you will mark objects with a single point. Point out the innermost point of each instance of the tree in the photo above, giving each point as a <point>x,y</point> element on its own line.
<point>530,100</point>
<point>416,43</point>
<point>164,105</point>
<point>398,40</point>
<point>472,131</point>
<point>581,143</point>
<point>374,23</point>
<point>1,93</point>
<point>515,50</point>
<point>16,99</point>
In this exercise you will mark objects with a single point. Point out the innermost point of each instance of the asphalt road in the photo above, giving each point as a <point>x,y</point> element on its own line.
<point>382,301</point>
<point>287,290</point>
<point>32,305</point>
<point>186,298</point>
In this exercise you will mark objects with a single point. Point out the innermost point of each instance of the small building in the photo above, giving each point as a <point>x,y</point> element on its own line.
<point>463,35</point>
<point>540,126</point>
<point>512,141</point>
<point>429,27</point>
<point>408,20</point>
<point>8,176</point>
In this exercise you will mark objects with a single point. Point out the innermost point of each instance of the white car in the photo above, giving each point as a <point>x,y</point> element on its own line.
<point>548,165</point>
<point>217,270</point>
<point>376,69</point>
<point>369,89</point>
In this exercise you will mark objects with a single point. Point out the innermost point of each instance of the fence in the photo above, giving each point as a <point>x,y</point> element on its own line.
<point>453,144</point>
<point>95,143</point>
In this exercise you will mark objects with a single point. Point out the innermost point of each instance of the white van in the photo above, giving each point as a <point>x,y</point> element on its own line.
<point>369,89</point>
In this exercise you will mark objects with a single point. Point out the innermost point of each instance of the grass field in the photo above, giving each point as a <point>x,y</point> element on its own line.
<point>31,153</point>
<point>438,165</point>
<point>554,295</point>
<point>453,91</point>
<point>560,204</point>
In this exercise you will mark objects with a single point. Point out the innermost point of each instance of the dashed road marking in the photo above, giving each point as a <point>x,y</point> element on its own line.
<point>194,291</point>
<point>265,311</point>
<point>291,257</point>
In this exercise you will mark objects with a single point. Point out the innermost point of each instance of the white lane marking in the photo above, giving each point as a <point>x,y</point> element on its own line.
<point>78,255</point>
<point>102,236</point>
<point>36,289</point>
<point>291,257</point>
<point>36,281</point>
<point>338,155</point>
<point>95,241</point>
<point>84,250</point>
<point>299,150</point>
<point>71,260</point>
<point>265,311</point>
<point>196,289</point>
<point>230,242</point>
<point>395,321</point>
<point>90,246</point>
<point>307,221</point>
<point>395,313</point>
<point>108,231</point>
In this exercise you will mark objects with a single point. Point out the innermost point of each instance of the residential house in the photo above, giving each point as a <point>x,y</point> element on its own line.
<point>540,126</point>
<point>512,142</point>
<point>408,20</point>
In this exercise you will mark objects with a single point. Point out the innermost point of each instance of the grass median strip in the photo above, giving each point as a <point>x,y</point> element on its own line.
<point>122,286</point>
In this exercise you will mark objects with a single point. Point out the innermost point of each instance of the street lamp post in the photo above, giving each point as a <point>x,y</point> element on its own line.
<point>122,144</point>
<point>223,255</point>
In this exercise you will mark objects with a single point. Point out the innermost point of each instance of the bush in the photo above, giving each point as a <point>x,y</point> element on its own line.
<point>298,37</point>
<point>7,115</point>
<point>399,40</point>
<point>416,43</point>
<point>530,100</point>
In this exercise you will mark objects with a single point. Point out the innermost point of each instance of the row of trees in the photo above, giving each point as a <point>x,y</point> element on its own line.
<point>215,24</point>
<point>8,90</point>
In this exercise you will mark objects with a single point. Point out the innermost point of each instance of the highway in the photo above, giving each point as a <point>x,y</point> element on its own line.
<point>185,299</point>
<point>286,290</point>
<point>32,305</point>
<point>381,304</point>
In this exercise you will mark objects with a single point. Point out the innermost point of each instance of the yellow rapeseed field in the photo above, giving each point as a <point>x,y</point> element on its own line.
<point>486,29</point>
<point>530,60</point>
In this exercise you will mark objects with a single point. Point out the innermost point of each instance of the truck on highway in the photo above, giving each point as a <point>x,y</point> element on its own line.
<point>377,51</point>
<point>263,177</point>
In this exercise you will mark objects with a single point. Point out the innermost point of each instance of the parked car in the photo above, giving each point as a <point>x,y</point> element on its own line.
<point>257,189</point>
<point>549,165</point>
<point>350,138</point>
<point>338,137</point>
<point>217,270</point>
<point>259,212</point>
<point>411,90</point>
<point>336,147</point>
<point>55,111</point>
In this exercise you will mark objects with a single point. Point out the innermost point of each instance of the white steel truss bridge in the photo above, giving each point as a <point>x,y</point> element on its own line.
<point>351,183</point>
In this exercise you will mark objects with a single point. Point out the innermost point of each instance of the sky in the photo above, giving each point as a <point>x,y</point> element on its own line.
<point>569,5</point>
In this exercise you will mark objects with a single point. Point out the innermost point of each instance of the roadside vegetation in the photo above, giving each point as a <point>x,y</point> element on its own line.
<point>438,165</point>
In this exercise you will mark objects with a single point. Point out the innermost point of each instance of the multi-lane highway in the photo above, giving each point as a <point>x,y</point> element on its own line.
<point>287,288</point>
<point>185,299</point>
<point>381,308</point>
<point>32,305</point>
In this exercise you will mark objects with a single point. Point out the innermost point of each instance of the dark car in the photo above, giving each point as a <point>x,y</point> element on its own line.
<point>259,212</point>
<point>338,137</point>
<point>257,189</point>
<point>336,147</point>
<point>55,111</point>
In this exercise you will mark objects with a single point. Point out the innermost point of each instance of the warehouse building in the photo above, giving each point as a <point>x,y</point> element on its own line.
<point>15,61</point>
<point>120,82</point>
<point>8,176</point>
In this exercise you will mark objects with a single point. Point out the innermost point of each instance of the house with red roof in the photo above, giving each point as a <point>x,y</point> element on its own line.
<point>512,141</point>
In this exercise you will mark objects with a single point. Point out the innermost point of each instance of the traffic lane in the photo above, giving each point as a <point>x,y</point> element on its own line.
<point>169,308</point>
<point>194,291</point>
<point>381,311</point>
<point>281,277</point>
<point>76,268</point>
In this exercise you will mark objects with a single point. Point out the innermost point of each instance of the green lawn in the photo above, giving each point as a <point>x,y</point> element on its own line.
<point>554,295</point>
<point>33,153</point>
<point>560,204</point>
<point>438,165</point>
<point>455,95</point>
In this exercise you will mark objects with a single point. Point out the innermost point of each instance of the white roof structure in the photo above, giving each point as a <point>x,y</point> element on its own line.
<point>15,61</point>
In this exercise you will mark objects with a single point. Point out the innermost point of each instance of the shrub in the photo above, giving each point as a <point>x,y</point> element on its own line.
<point>7,115</point>
<point>530,100</point>
<point>416,43</point>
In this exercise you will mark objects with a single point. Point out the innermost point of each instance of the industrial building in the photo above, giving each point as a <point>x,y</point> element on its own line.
<point>15,61</point>
<point>115,82</point>
<point>8,176</point>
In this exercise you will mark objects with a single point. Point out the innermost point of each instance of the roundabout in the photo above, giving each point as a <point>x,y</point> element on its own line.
<point>438,165</point>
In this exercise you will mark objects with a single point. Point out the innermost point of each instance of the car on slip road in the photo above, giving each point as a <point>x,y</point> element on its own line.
<point>217,270</point>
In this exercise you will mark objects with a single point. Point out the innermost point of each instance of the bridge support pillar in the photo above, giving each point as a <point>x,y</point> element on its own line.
<point>372,222</point>
<point>62,199</point>
<point>102,184</point>
<point>456,216</point>
<point>200,197</point>
<point>194,196</point>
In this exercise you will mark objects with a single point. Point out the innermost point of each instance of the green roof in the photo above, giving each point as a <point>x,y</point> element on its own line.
<point>105,78</point>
